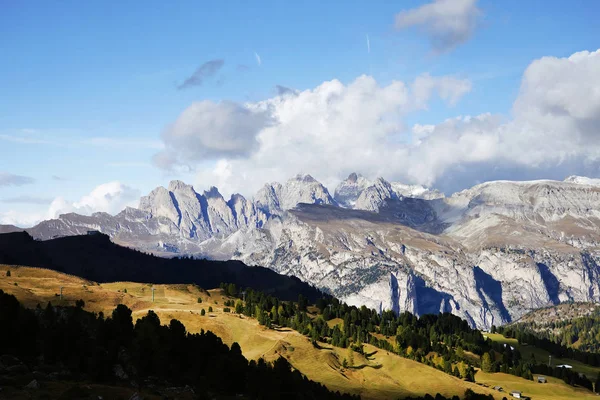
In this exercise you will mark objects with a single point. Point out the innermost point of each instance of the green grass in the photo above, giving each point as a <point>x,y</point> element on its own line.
<point>541,356</point>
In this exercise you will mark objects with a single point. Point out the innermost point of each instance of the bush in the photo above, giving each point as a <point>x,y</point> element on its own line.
<point>210,309</point>
<point>124,290</point>
<point>227,309</point>
<point>203,313</point>
<point>199,299</point>
<point>80,303</point>
<point>8,273</point>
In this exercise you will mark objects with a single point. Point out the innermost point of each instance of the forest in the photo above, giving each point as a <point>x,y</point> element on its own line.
<point>90,346</point>
<point>443,341</point>
<point>577,338</point>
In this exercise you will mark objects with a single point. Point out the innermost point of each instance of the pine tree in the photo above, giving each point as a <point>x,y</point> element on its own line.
<point>203,313</point>
<point>350,357</point>
<point>8,273</point>
<point>486,363</point>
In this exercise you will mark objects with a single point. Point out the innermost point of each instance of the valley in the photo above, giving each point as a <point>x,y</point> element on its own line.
<point>381,375</point>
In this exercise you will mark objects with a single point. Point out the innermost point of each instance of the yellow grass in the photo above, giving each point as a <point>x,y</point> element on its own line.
<point>382,375</point>
<point>554,389</point>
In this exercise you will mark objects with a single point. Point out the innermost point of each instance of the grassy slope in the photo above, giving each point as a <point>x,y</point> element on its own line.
<point>541,356</point>
<point>381,376</point>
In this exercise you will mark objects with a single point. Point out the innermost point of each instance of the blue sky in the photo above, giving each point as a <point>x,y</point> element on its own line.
<point>87,88</point>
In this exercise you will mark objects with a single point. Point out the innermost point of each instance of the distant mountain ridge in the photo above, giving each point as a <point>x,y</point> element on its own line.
<point>489,254</point>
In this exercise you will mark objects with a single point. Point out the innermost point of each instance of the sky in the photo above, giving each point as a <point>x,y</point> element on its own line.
<point>102,102</point>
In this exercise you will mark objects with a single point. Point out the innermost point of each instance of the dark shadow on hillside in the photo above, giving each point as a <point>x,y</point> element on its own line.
<point>317,346</point>
<point>484,283</point>
<point>550,282</point>
<point>376,366</point>
<point>96,258</point>
<point>411,212</point>
<point>429,300</point>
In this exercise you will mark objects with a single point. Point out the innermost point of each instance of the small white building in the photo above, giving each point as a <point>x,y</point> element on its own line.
<point>567,366</point>
<point>541,379</point>
<point>516,395</point>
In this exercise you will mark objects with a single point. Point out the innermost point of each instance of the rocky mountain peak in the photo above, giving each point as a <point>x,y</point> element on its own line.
<point>348,191</point>
<point>374,197</point>
<point>303,189</point>
<point>177,185</point>
<point>212,193</point>
<point>306,178</point>
<point>352,178</point>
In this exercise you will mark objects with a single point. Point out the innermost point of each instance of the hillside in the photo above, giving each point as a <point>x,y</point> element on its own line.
<point>557,314</point>
<point>96,258</point>
<point>573,326</point>
<point>381,375</point>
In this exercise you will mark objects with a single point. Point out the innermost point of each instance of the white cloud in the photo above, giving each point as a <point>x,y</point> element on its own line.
<point>335,129</point>
<point>22,220</point>
<point>109,197</point>
<point>447,23</point>
<point>554,132</point>
<point>207,130</point>
<point>330,131</point>
<point>258,59</point>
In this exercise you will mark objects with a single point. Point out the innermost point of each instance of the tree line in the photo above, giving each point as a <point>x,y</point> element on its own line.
<point>89,346</point>
<point>584,331</point>
<point>442,341</point>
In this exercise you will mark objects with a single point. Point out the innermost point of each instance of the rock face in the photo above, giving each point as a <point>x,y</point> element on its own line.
<point>489,254</point>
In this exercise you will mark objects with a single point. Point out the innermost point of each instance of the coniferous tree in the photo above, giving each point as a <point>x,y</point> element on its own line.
<point>486,363</point>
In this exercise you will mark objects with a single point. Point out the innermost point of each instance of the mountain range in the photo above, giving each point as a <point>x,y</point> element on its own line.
<point>488,254</point>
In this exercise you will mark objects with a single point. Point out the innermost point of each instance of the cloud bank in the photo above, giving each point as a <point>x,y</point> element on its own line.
<point>337,128</point>
<point>329,130</point>
<point>111,197</point>
<point>211,130</point>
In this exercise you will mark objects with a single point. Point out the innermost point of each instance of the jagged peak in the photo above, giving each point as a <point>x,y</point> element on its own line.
<point>236,198</point>
<point>212,193</point>
<point>176,185</point>
<point>304,178</point>
<point>382,181</point>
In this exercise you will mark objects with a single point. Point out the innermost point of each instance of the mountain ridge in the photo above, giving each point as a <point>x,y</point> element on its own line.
<point>489,253</point>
